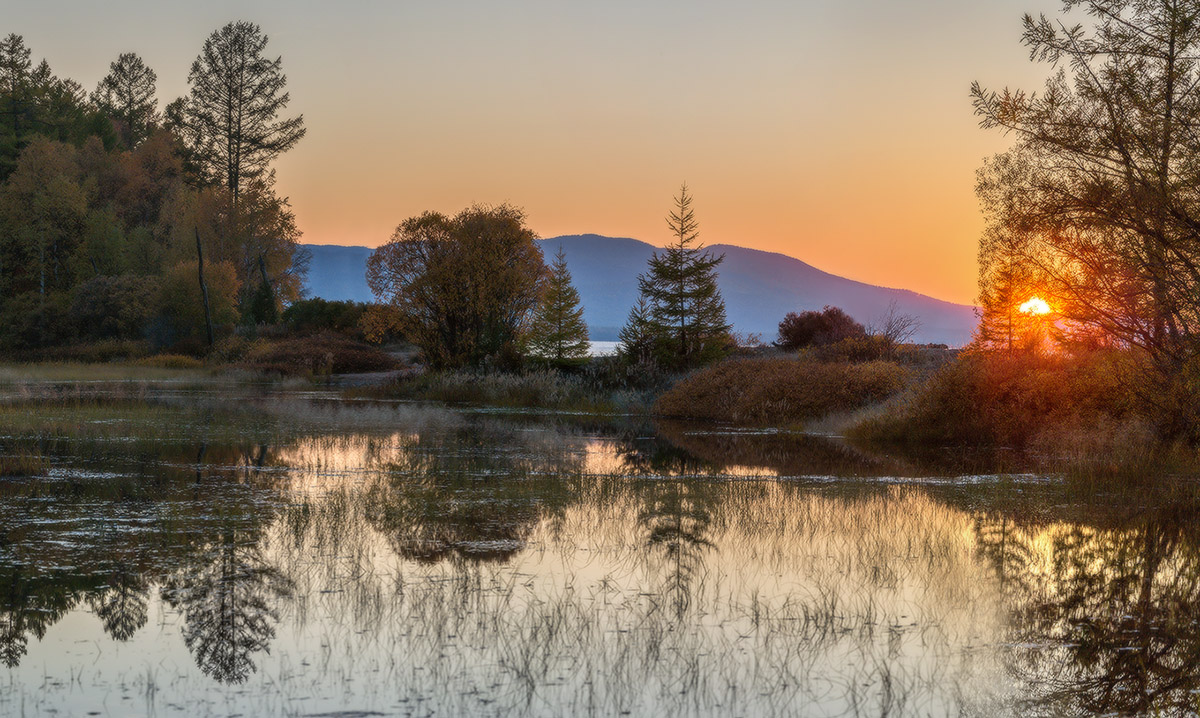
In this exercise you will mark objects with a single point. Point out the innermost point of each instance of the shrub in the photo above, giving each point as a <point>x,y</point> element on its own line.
<point>314,315</point>
<point>320,354</point>
<point>999,399</point>
<point>101,351</point>
<point>809,328</point>
<point>780,391</point>
<point>113,307</point>
<point>170,361</point>
<point>29,322</point>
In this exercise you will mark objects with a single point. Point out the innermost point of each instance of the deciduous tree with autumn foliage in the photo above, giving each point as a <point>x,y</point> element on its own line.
<point>1097,199</point>
<point>464,287</point>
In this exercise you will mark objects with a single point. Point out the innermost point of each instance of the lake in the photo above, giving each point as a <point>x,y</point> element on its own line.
<point>230,548</point>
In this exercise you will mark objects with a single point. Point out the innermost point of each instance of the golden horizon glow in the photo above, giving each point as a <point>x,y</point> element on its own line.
<point>836,133</point>
<point>1036,306</point>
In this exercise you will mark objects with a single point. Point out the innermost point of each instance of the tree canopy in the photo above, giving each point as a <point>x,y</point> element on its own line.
<point>230,118</point>
<point>464,286</point>
<point>1097,199</point>
<point>98,208</point>
<point>127,96</point>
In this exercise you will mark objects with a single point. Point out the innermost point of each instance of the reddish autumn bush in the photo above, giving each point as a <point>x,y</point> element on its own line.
<point>828,326</point>
<point>319,354</point>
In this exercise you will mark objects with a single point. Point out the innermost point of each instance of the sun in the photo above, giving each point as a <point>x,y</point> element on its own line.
<point>1035,306</point>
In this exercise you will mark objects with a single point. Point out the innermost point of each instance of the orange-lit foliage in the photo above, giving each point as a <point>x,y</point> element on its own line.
<point>1003,399</point>
<point>780,391</point>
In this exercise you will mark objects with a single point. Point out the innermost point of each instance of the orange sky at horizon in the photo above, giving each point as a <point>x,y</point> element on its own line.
<point>838,134</point>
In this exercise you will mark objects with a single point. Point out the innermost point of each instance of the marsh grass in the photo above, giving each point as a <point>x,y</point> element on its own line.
<point>532,389</point>
<point>780,391</point>
<point>22,464</point>
<point>797,604</point>
<point>95,372</point>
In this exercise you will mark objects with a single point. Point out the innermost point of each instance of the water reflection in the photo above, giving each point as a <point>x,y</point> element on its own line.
<point>491,564</point>
<point>1105,617</point>
<point>30,602</point>
<point>229,596</point>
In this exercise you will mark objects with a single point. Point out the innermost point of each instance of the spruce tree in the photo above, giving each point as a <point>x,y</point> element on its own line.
<point>637,336</point>
<point>687,313</point>
<point>558,332</point>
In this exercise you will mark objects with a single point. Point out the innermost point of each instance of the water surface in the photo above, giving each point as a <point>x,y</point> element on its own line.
<point>231,549</point>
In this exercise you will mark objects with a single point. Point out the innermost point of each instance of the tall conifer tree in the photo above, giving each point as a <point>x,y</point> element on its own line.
<point>637,336</point>
<point>687,313</point>
<point>558,332</point>
<point>126,96</point>
<point>230,120</point>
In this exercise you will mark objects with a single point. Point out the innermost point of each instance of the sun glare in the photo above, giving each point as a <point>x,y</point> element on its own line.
<point>1035,306</point>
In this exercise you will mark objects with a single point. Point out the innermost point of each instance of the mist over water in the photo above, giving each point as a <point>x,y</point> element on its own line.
<point>259,551</point>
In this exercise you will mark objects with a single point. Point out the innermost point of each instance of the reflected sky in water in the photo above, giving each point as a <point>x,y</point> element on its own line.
<point>286,553</point>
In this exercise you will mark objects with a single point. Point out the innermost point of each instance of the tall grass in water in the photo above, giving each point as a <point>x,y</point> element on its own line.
<point>530,389</point>
<point>21,464</point>
<point>797,604</point>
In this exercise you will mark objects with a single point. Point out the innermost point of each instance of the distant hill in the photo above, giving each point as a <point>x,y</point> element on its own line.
<point>759,287</point>
<point>338,273</point>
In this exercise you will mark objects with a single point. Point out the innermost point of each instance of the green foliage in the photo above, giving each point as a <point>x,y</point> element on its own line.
<point>29,321</point>
<point>780,392</point>
<point>80,206</point>
<point>686,312</point>
<point>182,304</point>
<point>113,307</point>
<point>307,316</point>
<point>261,308</point>
<point>637,336</point>
<point>464,286</point>
<point>558,333</point>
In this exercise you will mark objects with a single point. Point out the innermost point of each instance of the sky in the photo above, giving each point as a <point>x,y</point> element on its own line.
<point>839,133</point>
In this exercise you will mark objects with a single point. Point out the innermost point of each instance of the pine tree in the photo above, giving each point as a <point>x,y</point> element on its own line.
<point>687,313</point>
<point>126,96</point>
<point>16,101</point>
<point>230,120</point>
<point>637,336</point>
<point>558,332</point>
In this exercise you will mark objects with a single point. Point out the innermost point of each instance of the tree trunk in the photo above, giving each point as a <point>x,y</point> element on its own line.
<point>204,289</point>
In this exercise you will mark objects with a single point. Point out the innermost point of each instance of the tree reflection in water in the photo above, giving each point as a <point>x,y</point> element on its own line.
<point>227,590</point>
<point>228,594</point>
<point>472,494</point>
<point>676,514</point>
<point>122,602</point>
<point>30,602</point>
<point>1105,620</point>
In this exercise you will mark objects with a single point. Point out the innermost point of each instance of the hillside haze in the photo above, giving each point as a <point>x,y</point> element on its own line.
<point>759,287</point>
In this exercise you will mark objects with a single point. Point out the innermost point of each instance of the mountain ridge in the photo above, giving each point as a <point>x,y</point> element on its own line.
<point>759,287</point>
